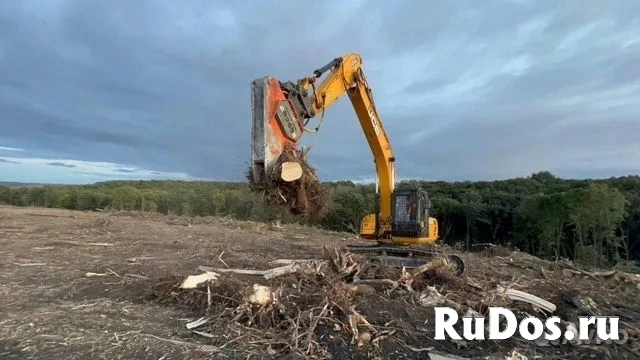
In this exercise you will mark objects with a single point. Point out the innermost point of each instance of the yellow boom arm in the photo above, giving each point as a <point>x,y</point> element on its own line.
<point>346,75</point>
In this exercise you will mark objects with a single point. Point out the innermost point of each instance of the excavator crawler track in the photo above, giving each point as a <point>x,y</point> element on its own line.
<point>407,256</point>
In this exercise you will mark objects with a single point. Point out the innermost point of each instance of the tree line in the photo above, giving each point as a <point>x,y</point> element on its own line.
<point>595,222</point>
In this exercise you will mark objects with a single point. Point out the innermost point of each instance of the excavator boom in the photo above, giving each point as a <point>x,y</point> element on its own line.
<point>281,112</point>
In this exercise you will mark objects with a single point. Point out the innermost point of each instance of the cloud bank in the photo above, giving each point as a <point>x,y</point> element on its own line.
<point>466,90</point>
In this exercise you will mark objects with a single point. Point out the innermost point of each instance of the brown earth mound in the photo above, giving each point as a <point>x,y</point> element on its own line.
<point>305,198</point>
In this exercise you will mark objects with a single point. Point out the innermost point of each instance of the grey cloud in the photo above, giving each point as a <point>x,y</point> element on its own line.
<point>7,161</point>
<point>60,164</point>
<point>465,89</point>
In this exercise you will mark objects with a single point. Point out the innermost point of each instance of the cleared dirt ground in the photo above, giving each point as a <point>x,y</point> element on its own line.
<point>53,309</point>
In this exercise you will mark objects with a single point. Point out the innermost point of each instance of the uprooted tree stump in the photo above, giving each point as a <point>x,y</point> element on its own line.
<point>305,198</point>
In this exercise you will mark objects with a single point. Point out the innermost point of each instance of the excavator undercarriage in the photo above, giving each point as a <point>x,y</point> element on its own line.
<point>404,232</point>
<point>409,257</point>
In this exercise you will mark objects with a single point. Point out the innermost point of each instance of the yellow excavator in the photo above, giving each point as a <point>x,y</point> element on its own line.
<point>402,224</point>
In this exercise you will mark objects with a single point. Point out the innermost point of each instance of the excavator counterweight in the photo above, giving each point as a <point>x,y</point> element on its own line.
<point>401,223</point>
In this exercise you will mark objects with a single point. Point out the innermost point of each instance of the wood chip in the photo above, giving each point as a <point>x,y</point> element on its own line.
<point>30,264</point>
<point>202,333</point>
<point>192,281</point>
<point>262,295</point>
<point>92,274</point>
<point>194,324</point>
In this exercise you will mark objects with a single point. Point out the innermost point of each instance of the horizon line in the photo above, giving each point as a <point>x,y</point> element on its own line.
<point>354,181</point>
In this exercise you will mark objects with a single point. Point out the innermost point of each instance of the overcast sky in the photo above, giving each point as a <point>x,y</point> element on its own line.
<point>467,90</point>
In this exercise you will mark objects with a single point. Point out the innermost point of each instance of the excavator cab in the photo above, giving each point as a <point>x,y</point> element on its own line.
<point>411,212</point>
<point>411,221</point>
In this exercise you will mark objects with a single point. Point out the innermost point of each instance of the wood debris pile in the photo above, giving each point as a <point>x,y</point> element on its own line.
<point>340,305</point>
<point>305,198</point>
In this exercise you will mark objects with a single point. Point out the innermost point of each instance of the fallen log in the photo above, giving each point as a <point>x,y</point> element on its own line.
<point>518,295</point>
<point>293,266</point>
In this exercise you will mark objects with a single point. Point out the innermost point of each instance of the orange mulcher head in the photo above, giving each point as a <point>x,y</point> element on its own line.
<point>280,110</point>
<point>275,123</point>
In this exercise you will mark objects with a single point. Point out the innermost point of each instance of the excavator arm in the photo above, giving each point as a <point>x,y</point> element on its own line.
<point>294,104</point>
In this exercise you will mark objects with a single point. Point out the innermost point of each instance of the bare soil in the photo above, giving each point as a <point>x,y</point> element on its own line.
<point>80,285</point>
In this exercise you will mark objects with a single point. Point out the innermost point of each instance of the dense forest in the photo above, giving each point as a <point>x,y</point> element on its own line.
<point>594,222</point>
